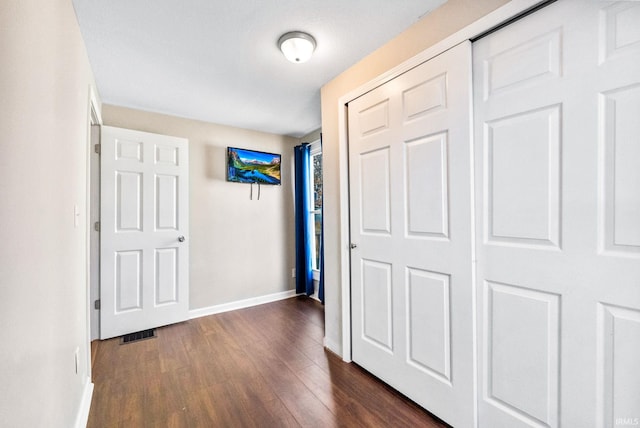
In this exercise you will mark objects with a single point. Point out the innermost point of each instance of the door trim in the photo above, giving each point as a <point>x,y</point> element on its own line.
<point>498,17</point>
<point>94,116</point>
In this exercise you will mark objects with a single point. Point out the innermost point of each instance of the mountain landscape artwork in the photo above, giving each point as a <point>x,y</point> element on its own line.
<point>250,166</point>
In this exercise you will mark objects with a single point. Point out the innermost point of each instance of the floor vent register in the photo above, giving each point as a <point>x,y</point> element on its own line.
<point>138,336</point>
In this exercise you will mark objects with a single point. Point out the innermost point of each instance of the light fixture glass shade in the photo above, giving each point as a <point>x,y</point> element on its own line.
<point>297,46</point>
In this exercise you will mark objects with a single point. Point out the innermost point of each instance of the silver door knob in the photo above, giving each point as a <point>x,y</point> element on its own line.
<point>352,246</point>
<point>180,238</point>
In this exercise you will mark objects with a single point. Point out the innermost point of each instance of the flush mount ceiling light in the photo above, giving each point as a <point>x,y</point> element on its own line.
<point>297,46</point>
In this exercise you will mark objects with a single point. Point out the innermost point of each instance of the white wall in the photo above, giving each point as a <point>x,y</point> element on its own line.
<point>44,92</point>
<point>239,248</point>
<point>434,27</point>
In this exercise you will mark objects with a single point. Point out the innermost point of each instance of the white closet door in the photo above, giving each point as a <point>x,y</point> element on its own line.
<point>557,163</point>
<point>144,214</point>
<point>412,321</point>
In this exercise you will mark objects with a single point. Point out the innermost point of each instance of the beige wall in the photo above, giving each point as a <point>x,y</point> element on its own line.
<point>239,248</point>
<point>44,92</point>
<point>311,137</point>
<point>444,21</point>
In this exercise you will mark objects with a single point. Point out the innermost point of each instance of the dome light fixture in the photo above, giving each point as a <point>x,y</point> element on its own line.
<point>297,46</point>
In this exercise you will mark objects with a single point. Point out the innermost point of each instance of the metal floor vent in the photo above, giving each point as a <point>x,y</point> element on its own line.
<point>138,336</point>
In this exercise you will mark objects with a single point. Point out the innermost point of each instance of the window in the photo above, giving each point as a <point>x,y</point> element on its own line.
<point>315,181</point>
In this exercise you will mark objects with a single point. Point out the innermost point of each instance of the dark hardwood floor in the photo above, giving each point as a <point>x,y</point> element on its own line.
<point>258,367</point>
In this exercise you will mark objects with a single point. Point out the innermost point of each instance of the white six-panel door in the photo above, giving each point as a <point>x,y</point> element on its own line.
<point>557,161</point>
<point>144,215</point>
<point>412,307</point>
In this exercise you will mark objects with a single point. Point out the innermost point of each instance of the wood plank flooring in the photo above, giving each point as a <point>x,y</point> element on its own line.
<point>263,366</point>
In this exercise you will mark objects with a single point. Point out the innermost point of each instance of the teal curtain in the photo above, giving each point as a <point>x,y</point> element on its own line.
<point>321,284</point>
<point>303,232</point>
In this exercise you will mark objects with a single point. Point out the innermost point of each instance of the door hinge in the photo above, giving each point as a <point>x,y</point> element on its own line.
<point>96,304</point>
<point>96,226</point>
<point>97,148</point>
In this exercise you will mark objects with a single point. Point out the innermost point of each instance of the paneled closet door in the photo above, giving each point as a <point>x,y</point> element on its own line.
<point>557,164</point>
<point>412,320</point>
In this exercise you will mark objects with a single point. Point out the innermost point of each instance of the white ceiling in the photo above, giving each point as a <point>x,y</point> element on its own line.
<point>217,61</point>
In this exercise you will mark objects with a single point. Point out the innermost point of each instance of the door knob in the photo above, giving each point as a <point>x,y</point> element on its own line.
<point>180,238</point>
<point>352,246</point>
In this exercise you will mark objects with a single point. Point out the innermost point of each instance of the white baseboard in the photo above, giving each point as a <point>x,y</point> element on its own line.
<point>85,405</point>
<point>240,304</point>
<point>335,348</point>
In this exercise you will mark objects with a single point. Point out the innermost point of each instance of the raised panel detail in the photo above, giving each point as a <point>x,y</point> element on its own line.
<point>425,98</point>
<point>621,174</point>
<point>130,150</point>
<point>128,277</point>
<point>522,178</point>
<point>374,119</point>
<point>128,201</point>
<point>530,62</point>
<point>522,352</point>
<point>619,353</point>
<point>166,202</point>
<point>377,304</point>
<point>429,323</point>
<point>375,197</point>
<point>426,193</point>
<point>167,155</point>
<point>619,29</point>
<point>166,275</point>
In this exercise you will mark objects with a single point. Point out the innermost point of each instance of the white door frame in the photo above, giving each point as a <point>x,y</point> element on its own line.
<point>94,117</point>
<point>473,30</point>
